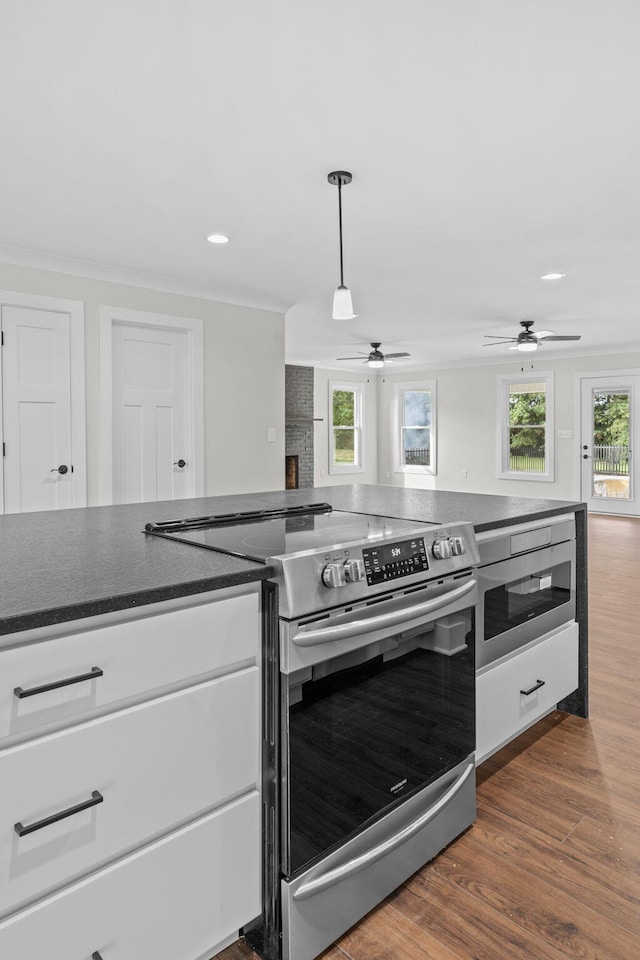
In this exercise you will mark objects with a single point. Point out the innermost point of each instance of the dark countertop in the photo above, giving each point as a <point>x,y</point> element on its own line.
<point>67,564</point>
<point>485,511</point>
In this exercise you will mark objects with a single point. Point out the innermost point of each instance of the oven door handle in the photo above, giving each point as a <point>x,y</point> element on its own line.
<point>332,877</point>
<point>404,616</point>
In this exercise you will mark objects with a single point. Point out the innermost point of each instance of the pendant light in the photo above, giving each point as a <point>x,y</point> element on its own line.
<point>342,304</point>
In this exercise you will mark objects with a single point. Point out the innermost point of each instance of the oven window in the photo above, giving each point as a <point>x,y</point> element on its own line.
<point>510,604</point>
<point>364,738</point>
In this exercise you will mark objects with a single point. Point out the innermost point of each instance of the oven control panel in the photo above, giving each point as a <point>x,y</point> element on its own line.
<point>389,561</point>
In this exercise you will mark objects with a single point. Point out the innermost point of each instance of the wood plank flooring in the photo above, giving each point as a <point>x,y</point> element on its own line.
<point>551,868</point>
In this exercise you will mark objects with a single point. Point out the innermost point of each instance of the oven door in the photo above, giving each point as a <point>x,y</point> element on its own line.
<point>523,598</point>
<point>386,708</point>
<point>378,748</point>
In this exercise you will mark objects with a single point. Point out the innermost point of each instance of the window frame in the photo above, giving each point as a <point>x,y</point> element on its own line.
<point>400,388</point>
<point>357,389</point>
<point>503,471</point>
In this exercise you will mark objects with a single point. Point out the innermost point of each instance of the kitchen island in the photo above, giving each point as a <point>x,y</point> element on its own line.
<point>158,647</point>
<point>70,564</point>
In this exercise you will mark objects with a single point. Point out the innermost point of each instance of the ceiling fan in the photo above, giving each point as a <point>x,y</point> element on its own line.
<point>528,339</point>
<point>375,358</point>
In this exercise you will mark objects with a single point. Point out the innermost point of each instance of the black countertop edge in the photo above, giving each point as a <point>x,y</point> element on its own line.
<point>538,515</point>
<point>112,604</point>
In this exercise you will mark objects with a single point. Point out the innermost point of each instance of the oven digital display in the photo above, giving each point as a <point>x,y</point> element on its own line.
<point>392,560</point>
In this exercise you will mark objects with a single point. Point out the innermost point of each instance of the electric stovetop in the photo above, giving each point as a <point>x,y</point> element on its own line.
<point>264,534</point>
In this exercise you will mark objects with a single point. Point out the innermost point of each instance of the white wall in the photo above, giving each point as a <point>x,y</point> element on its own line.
<point>322,477</point>
<point>243,375</point>
<point>467,427</point>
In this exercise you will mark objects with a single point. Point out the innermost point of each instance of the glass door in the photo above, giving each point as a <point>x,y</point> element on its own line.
<point>609,426</point>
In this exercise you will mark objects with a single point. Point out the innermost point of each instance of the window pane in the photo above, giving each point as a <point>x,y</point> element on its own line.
<point>344,446</point>
<point>527,403</point>
<point>415,447</point>
<point>417,408</point>
<point>611,454</point>
<point>526,449</point>
<point>344,408</point>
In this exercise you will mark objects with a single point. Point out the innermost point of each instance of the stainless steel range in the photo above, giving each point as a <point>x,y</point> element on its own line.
<point>369,708</point>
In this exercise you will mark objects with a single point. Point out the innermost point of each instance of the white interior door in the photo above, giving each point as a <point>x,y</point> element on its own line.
<point>38,463</point>
<point>610,420</point>
<point>151,423</point>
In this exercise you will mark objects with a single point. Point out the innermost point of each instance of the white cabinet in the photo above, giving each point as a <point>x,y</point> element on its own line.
<point>156,647</point>
<point>165,862</point>
<point>169,901</point>
<point>519,689</point>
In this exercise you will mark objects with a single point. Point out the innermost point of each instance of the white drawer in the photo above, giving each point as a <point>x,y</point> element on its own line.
<point>549,669</point>
<point>161,648</point>
<point>175,900</point>
<point>157,765</point>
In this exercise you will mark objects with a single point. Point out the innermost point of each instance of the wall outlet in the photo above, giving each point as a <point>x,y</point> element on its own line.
<point>565,434</point>
<point>271,435</point>
<point>465,474</point>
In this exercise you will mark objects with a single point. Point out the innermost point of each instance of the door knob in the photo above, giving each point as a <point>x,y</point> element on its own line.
<point>179,463</point>
<point>63,468</point>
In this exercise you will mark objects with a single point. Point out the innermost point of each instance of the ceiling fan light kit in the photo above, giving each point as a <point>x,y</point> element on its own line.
<point>376,358</point>
<point>342,303</point>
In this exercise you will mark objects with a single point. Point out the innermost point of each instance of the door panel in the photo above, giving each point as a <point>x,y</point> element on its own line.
<point>151,430</point>
<point>609,417</point>
<point>36,378</point>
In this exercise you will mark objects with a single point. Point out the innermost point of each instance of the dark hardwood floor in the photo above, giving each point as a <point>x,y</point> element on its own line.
<point>551,868</point>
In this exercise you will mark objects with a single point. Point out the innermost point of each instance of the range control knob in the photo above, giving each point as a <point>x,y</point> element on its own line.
<point>442,549</point>
<point>457,546</point>
<point>354,570</point>
<point>334,575</point>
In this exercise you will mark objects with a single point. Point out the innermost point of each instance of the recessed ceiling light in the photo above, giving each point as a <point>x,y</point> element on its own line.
<point>217,238</point>
<point>552,276</point>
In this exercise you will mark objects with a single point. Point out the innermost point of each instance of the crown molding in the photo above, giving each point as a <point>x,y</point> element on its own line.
<point>89,269</point>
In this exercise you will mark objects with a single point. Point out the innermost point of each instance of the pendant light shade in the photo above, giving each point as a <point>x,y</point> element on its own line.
<point>526,345</point>
<point>342,303</point>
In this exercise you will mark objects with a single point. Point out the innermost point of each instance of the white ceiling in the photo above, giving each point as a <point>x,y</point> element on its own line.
<point>490,141</point>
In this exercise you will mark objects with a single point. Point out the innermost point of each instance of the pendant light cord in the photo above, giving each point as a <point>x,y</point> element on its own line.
<point>340,227</point>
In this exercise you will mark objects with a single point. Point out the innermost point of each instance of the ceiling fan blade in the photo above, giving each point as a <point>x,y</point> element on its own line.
<point>493,336</point>
<point>554,337</point>
<point>542,334</point>
<point>501,343</point>
<point>352,358</point>
<point>388,356</point>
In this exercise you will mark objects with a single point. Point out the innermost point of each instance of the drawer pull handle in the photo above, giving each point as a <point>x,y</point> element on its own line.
<point>21,830</point>
<point>536,686</point>
<point>20,692</point>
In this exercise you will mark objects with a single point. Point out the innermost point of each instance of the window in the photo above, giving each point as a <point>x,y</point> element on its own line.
<point>525,407</point>
<point>416,404</point>
<point>346,429</point>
